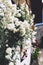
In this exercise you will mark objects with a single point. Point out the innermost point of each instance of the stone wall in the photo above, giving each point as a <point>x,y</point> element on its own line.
<point>39,31</point>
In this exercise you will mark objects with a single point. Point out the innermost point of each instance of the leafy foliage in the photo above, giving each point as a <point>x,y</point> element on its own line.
<point>36,53</point>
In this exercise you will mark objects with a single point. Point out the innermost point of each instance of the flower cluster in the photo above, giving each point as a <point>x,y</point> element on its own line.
<point>13,55</point>
<point>12,17</point>
<point>16,19</point>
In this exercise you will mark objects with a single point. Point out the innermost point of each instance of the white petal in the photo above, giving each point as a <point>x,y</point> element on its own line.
<point>11,63</point>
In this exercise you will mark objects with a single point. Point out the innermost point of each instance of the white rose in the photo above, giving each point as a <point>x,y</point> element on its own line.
<point>14,6</point>
<point>33,15</point>
<point>14,9</point>
<point>15,19</point>
<point>30,12</point>
<point>17,23</point>
<point>18,15</point>
<point>28,42</point>
<point>15,30</point>
<point>25,47</point>
<point>22,31</point>
<point>11,26</point>
<point>18,48</point>
<point>2,6</point>
<point>11,63</point>
<point>8,57</point>
<point>23,12</point>
<point>26,24</point>
<point>7,2</point>
<point>34,33</point>
<point>6,45</point>
<point>11,18</point>
<point>32,20</point>
<point>22,54</point>
<point>27,7</point>
<point>14,57</point>
<point>13,48</point>
<point>34,40</point>
<point>8,50</point>
<point>35,28</point>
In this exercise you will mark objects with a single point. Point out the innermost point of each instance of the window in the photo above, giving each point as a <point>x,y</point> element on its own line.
<point>36,6</point>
